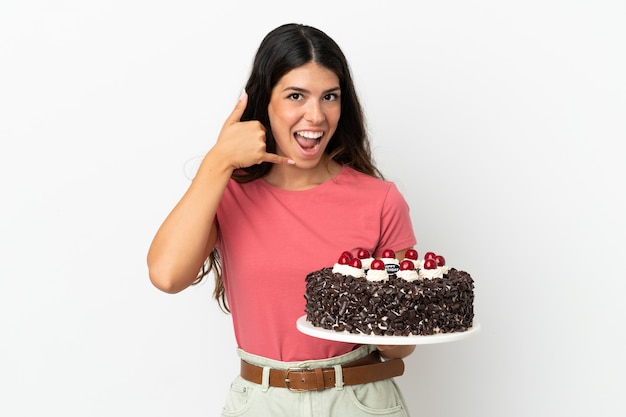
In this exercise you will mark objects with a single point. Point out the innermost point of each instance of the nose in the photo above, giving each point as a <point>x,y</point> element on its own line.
<point>314,112</point>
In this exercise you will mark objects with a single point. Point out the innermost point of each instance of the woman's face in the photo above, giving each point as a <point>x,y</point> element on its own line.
<point>304,110</point>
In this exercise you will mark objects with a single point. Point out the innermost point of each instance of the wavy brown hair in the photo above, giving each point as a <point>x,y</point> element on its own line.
<point>283,49</point>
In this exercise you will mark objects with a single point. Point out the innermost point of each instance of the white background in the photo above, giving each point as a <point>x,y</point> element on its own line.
<point>501,122</point>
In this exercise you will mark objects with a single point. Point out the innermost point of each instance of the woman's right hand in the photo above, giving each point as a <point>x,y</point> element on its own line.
<point>242,144</point>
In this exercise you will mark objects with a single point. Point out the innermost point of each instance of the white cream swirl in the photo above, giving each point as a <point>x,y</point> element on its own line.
<point>431,273</point>
<point>408,275</point>
<point>377,275</point>
<point>366,263</point>
<point>348,270</point>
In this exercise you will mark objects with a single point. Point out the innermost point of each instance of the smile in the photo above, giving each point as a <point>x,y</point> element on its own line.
<point>310,135</point>
<point>308,140</point>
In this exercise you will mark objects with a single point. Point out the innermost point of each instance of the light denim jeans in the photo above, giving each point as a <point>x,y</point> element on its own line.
<point>381,398</point>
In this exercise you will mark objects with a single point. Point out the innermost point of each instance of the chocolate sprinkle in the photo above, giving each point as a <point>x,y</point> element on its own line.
<point>392,308</point>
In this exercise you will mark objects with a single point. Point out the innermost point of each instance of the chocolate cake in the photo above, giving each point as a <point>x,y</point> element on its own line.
<point>389,297</point>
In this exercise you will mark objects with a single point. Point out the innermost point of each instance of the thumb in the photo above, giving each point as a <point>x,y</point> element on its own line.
<point>237,112</point>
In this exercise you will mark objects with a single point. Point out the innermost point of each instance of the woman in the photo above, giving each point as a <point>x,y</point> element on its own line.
<point>289,185</point>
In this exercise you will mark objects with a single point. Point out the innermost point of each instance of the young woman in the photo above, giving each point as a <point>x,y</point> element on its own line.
<point>289,185</point>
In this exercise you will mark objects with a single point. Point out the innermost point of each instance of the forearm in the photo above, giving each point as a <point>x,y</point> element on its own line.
<point>187,235</point>
<point>393,352</point>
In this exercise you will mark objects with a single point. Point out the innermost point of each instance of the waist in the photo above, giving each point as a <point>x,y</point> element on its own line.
<point>317,376</point>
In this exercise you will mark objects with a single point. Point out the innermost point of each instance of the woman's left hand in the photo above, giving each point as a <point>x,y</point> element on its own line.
<point>395,351</point>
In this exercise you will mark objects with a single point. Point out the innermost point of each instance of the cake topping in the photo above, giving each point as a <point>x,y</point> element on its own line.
<point>411,268</point>
<point>347,265</point>
<point>391,263</point>
<point>431,269</point>
<point>344,259</point>
<point>430,264</point>
<point>440,262</point>
<point>407,270</point>
<point>377,271</point>
<point>378,265</point>
<point>411,256</point>
<point>365,256</point>
<point>439,265</point>
<point>406,265</point>
<point>355,263</point>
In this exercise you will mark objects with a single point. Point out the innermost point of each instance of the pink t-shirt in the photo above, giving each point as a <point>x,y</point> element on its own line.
<point>270,239</point>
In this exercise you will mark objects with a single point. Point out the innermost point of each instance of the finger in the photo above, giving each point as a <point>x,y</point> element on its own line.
<point>237,112</point>
<point>277,159</point>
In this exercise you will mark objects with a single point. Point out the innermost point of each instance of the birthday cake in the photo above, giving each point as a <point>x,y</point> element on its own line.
<point>390,297</point>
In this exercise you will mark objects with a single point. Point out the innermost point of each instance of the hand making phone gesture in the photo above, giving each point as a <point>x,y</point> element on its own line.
<point>189,233</point>
<point>242,144</point>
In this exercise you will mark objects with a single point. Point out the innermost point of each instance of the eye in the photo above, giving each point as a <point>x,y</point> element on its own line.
<point>331,97</point>
<point>294,96</point>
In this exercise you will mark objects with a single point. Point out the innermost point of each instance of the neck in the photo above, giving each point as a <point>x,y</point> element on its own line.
<point>294,178</point>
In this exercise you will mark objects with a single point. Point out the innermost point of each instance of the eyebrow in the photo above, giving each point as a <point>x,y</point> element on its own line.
<point>303,90</point>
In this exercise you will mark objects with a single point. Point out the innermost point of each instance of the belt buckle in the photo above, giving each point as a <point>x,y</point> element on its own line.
<point>298,369</point>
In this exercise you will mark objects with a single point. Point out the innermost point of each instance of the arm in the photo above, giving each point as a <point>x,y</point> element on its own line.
<point>392,352</point>
<point>188,234</point>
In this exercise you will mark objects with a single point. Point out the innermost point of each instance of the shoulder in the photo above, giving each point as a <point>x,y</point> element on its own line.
<point>239,185</point>
<point>350,176</point>
<point>375,189</point>
<point>241,191</point>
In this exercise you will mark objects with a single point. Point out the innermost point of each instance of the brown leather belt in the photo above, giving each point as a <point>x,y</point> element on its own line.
<point>361,371</point>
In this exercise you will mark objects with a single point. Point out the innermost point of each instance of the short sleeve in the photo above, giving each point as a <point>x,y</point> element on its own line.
<point>396,226</point>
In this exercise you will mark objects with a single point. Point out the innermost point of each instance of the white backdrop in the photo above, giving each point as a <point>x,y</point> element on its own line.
<point>501,122</point>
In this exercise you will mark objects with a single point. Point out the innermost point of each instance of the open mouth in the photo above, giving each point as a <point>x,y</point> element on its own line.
<point>308,140</point>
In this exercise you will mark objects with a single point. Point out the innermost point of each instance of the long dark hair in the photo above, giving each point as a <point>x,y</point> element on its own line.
<point>283,49</point>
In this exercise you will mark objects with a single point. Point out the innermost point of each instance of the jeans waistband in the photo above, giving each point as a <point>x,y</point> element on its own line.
<point>358,353</point>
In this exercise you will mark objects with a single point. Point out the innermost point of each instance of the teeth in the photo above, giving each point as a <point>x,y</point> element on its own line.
<point>310,135</point>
